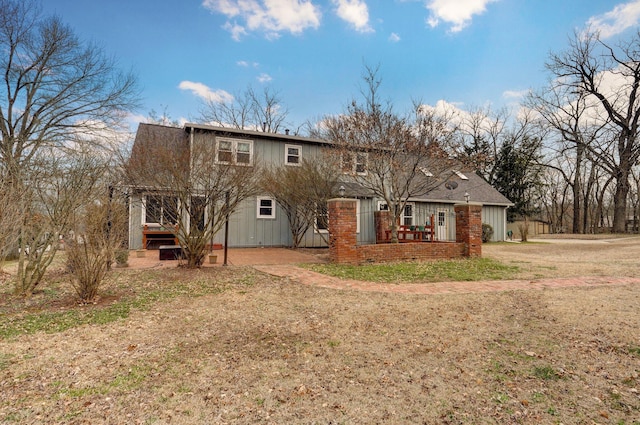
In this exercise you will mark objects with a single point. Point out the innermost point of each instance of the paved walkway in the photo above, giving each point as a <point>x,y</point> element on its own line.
<point>281,262</point>
<point>309,277</point>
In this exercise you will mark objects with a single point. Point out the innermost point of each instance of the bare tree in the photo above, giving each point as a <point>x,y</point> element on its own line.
<point>248,110</point>
<point>394,157</point>
<point>609,77</point>
<point>58,93</point>
<point>57,188</point>
<point>198,192</point>
<point>54,85</point>
<point>98,230</point>
<point>300,190</point>
<point>570,116</point>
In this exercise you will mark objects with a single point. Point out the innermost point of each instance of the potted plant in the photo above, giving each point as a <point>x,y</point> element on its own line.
<point>122,257</point>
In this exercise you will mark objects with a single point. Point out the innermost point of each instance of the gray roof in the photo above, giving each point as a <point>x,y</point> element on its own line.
<point>477,188</point>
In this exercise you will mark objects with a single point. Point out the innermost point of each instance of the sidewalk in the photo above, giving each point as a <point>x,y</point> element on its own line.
<point>281,262</point>
<point>308,277</point>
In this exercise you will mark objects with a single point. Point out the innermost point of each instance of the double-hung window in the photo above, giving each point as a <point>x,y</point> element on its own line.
<point>234,151</point>
<point>266,207</point>
<point>292,154</point>
<point>354,163</point>
<point>160,209</point>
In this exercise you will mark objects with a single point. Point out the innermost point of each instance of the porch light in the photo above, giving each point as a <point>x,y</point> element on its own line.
<point>341,191</point>
<point>466,197</point>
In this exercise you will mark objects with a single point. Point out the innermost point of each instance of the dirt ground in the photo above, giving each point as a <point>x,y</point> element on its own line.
<point>260,349</point>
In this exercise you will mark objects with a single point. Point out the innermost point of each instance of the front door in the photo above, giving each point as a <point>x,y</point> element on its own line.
<point>441,226</point>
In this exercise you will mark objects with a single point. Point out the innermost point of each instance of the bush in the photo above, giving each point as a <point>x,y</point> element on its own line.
<point>487,232</point>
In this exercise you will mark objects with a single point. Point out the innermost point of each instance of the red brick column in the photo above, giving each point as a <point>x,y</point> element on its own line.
<point>382,220</point>
<point>469,228</point>
<point>342,231</point>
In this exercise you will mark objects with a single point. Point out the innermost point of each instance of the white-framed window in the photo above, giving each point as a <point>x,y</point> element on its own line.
<point>292,154</point>
<point>408,214</point>
<point>159,209</point>
<point>354,163</point>
<point>234,151</point>
<point>407,218</point>
<point>322,218</point>
<point>266,207</point>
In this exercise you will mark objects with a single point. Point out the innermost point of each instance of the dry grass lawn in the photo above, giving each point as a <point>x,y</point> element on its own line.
<point>250,348</point>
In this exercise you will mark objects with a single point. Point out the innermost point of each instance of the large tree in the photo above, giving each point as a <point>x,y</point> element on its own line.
<point>58,95</point>
<point>575,132</point>
<point>395,157</point>
<point>55,86</point>
<point>609,77</point>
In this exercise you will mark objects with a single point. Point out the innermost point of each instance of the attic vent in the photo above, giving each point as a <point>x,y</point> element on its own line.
<point>426,172</point>
<point>459,174</point>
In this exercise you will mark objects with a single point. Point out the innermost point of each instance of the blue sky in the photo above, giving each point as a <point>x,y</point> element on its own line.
<point>312,52</point>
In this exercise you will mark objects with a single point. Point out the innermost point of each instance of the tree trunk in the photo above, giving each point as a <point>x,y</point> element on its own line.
<point>620,203</point>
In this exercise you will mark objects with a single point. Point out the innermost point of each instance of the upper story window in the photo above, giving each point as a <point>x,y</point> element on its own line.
<point>292,154</point>
<point>234,151</point>
<point>354,163</point>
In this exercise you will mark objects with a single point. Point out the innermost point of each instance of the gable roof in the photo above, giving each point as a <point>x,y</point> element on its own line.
<point>176,139</point>
<point>453,188</point>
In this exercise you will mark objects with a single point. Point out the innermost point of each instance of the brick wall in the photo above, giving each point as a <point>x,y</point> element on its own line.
<point>343,246</point>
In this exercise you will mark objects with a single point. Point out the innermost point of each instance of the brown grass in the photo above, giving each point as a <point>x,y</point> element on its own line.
<point>268,350</point>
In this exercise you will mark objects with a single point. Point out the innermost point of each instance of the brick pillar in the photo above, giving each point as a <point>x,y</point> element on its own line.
<point>382,220</point>
<point>469,228</point>
<point>342,231</point>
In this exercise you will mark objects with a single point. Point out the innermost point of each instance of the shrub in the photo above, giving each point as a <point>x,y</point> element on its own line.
<point>487,232</point>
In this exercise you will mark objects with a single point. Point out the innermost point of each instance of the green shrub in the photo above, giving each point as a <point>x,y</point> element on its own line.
<point>487,232</point>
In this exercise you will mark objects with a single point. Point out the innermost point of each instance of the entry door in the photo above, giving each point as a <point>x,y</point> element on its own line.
<point>441,223</point>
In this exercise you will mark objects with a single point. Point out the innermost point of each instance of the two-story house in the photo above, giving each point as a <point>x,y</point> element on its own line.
<point>259,221</point>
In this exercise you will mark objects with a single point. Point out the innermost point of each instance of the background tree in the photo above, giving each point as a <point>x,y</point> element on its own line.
<point>609,77</point>
<point>393,157</point>
<point>248,110</point>
<point>518,174</point>
<point>572,121</point>
<point>300,190</point>
<point>198,193</point>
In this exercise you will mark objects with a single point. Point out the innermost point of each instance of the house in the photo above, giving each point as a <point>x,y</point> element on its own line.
<point>259,221</point>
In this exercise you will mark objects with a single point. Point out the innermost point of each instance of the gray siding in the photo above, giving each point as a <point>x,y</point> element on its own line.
<point>496,216</point>
<point>247,230</point>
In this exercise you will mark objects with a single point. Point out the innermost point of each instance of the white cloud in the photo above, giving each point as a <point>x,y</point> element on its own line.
<point>458,13</point>
<point>394,37</point>
<point>204,92</point>
<point>264,78</point>
<point>270,17</point>
<point>514,94</point>
<point>246,64</point>
<point>355,12</point>
<point>614,22</point>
